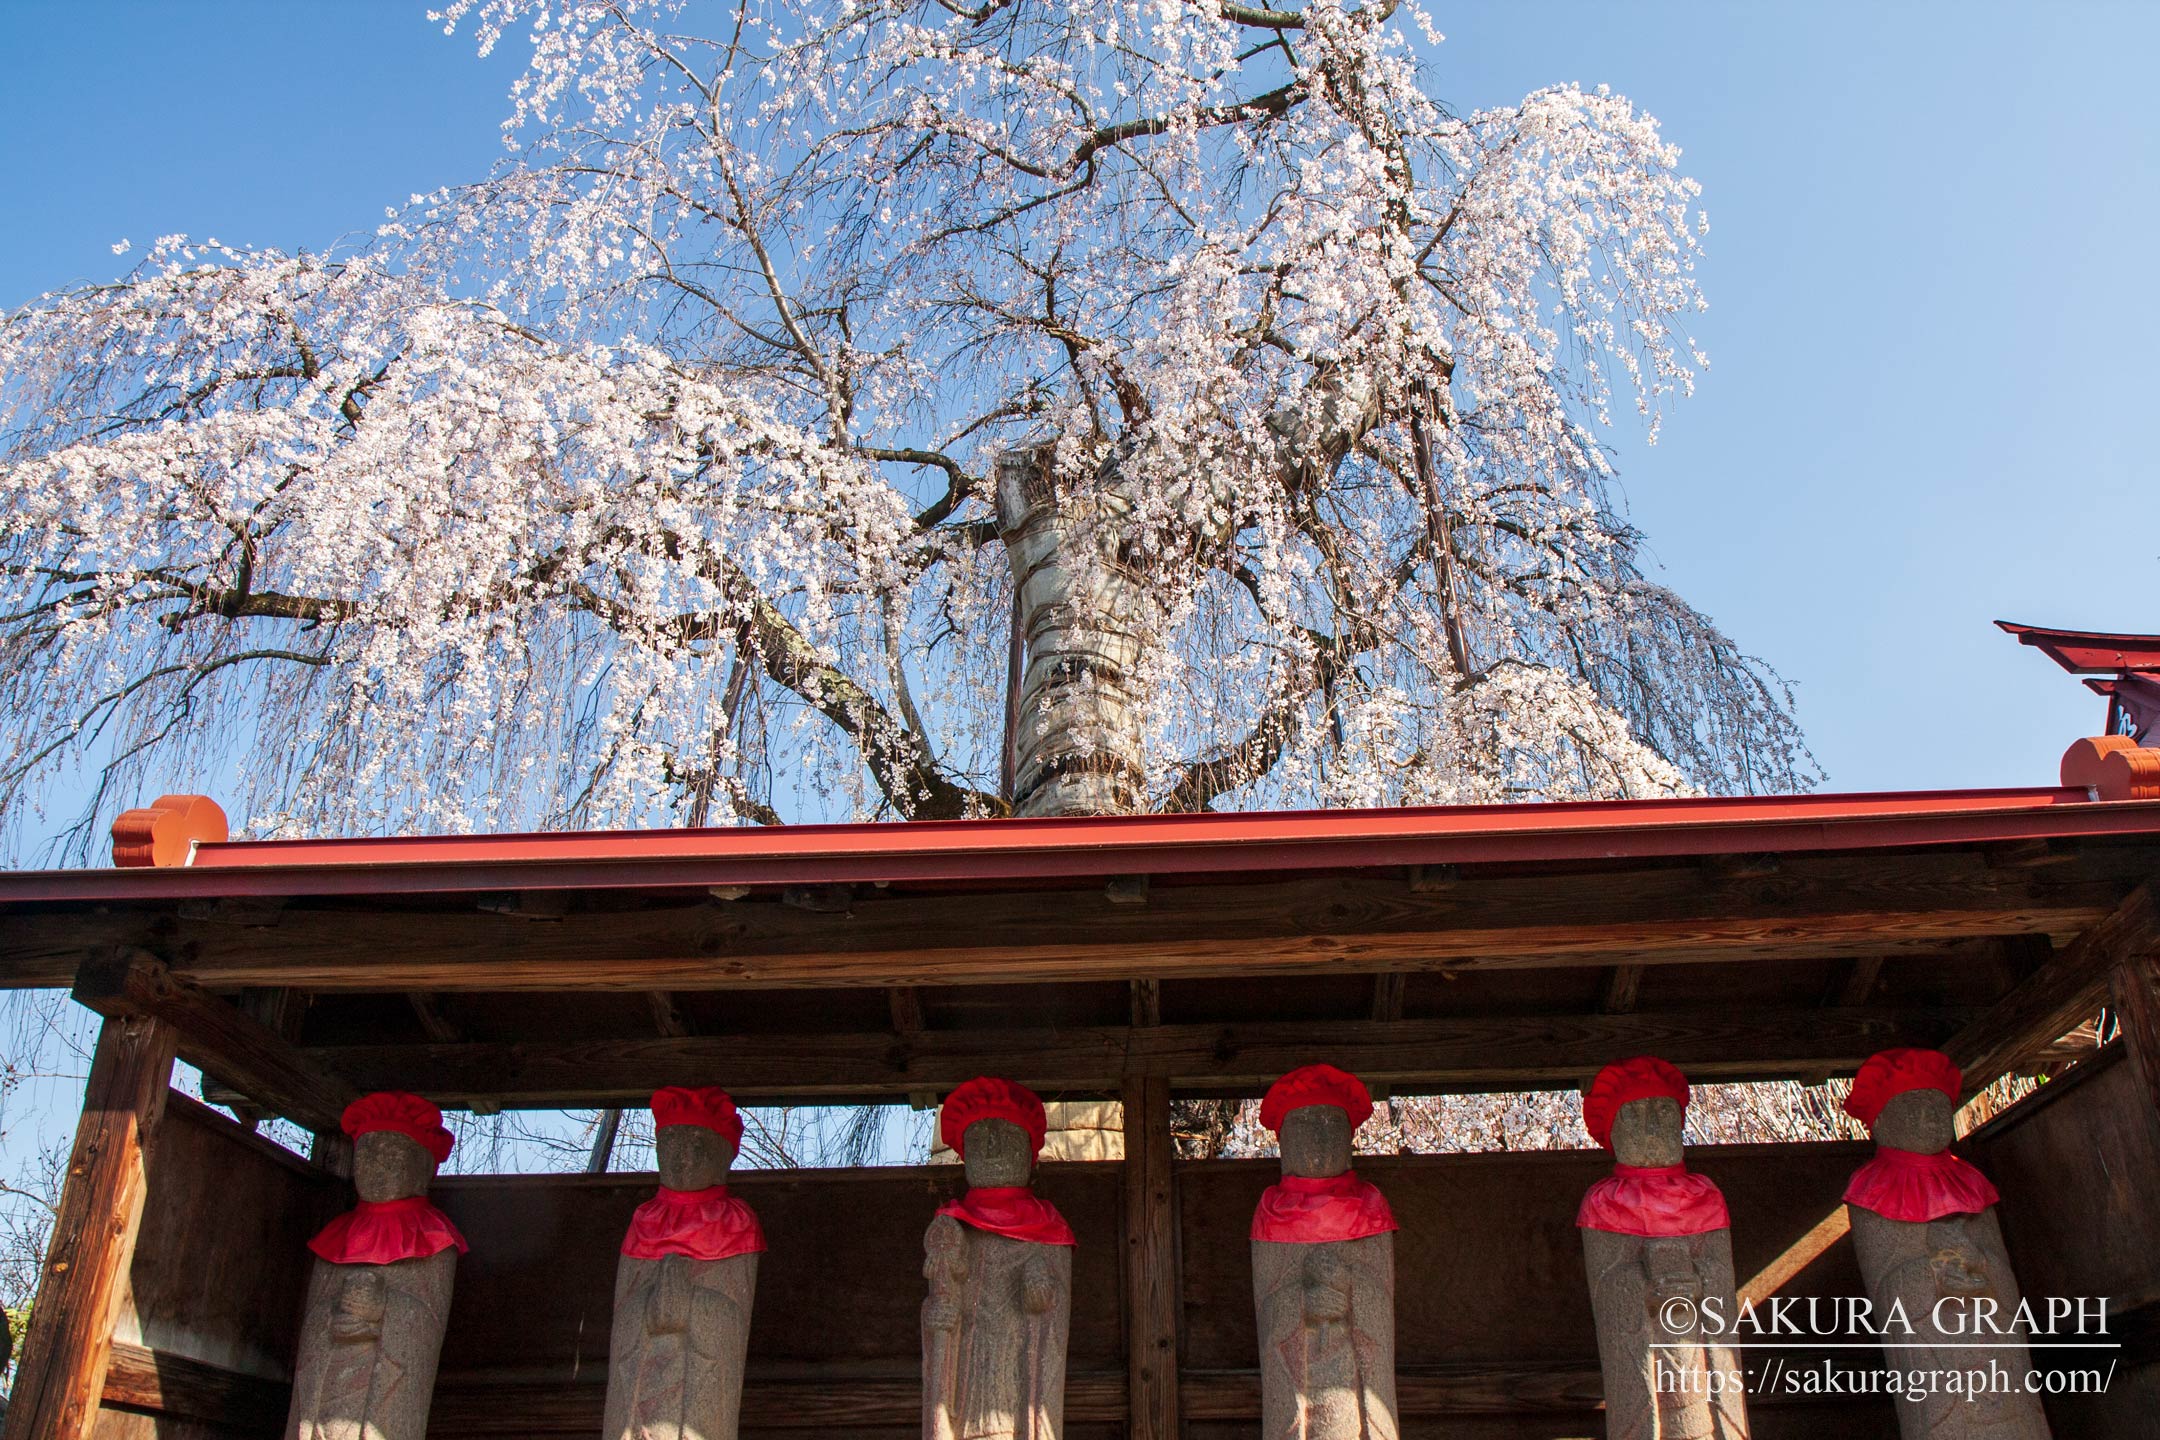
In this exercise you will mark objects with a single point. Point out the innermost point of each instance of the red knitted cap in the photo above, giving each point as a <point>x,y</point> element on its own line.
<point>988,1098</point>
<point>408,1115</point>
<point>1893,1072</point>
<point>1643,1078</point>
<point>706,1105</point>
<point>1316,1085</point>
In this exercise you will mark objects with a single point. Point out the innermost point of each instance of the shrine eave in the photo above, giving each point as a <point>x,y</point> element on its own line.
<point>1033,851</point>
<point>2086,652</point>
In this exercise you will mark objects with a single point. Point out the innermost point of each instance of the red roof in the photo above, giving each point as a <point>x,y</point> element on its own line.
<point>2089,651</point>
<point>1161,845</point>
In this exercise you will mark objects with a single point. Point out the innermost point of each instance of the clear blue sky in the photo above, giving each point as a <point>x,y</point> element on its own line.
<point>1932,330</point>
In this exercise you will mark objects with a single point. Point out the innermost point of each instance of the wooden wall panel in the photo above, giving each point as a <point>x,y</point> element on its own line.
<point>2078,1166</point>
<point>1495,1333</point>
<point>221,1263</point>
<point>1488,1262</point>
<point>840,1288</point>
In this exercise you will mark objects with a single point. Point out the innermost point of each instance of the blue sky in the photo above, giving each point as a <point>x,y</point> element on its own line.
<point>1932,326</point>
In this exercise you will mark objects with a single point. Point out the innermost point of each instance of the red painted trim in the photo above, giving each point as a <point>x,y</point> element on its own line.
<point>1048,850</point>
<point>2083,651</point>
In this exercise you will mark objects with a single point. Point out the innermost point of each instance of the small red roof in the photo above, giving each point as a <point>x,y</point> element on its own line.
<point>2084,652</point>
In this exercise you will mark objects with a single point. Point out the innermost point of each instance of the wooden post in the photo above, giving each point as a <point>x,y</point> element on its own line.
<point>62,1373</point>
<point>1152,1297</point>
<point>2135,988</point>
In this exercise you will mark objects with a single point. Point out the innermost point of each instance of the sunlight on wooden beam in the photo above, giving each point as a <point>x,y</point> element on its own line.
<point>1797,1257</point>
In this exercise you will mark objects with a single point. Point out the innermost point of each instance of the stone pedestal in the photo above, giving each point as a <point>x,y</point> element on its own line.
<point>370,1335</point>
<point>1957,1262</point>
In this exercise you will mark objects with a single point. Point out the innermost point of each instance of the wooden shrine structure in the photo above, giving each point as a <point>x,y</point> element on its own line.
<point>1142,959</point>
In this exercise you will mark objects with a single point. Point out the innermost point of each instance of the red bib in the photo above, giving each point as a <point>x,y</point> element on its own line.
<point>381,1232</point>
<point>1014,1211</point>
<point>1906,1185</point>
<point>707,1224</point>
<point>1300,1211</point>
<point>1653,1200</point>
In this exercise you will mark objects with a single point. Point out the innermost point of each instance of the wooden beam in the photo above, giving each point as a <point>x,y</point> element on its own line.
<point>667,1015</point>
<point>1146,1008</point>
<point>1816,906</point>
<point>525,1406</point>
<point>1387,995</point>
<point>1623,985</point>
<point>1429,1055</point>
<point>433,1023</point>
<point>1858,985</point>
<point>2134,986</point>
<point>218,1038</point>
<point>167,1384</point>
<point>61,1377</point>
<point>906,1007</point>
<point>2059,995</point>
<point>1152,1301</point>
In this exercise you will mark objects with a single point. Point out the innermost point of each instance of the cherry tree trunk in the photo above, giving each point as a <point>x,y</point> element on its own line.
<point>1082,610</point>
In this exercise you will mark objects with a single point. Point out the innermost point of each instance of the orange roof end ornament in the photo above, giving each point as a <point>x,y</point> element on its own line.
<point>166,832</point>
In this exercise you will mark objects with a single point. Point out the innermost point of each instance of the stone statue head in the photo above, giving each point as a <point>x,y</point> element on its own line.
<point>390,1166</point>
<point>1646,1133</point>
<point>996,1153</point>
<point>1315,1142</point>
<point>1923,1120</point>
<point>692,1157</point>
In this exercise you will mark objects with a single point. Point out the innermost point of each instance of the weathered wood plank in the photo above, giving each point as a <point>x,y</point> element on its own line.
<point>833,1403</point>
<point>1623,985</point>
<point>526,1406</point>
<point>2135,987</point>
<point>61,1377</point>
<point>667,1015</point>
<point>1813,906</point>
<point>218,1038</point>
<point>1860,982</point>
<point>1152,1299</point>
<point>1526,1051</point>
<point>2056,997</point>
<point>167,1384</point>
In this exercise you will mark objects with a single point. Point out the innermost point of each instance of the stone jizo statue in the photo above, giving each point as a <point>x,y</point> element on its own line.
<point>1924,1227</point>
<point>1323,1257</point>
<point>999,1263</point>
<point>372,1329</point>
<point>1658,1246</point>
<point>685,1283</point>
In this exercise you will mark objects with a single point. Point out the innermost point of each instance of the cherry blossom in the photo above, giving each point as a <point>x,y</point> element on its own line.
<point>875,408</point>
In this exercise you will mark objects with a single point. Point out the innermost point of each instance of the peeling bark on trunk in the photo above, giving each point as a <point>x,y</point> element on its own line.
<point>1083,611</point>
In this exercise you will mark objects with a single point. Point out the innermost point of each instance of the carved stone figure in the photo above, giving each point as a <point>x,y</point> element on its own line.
<point>1924,1228</point>
<point>1658,1247</point>
<point>1323,1257</point>
<point>372,1329</point>
<point>999,1262</point>
<point>685,1283</point>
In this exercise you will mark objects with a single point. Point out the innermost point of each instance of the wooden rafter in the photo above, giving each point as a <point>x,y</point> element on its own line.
<point>2063,992</point>
<point>1409,1055</point>
<point>1819,906</point>
<point>218,1038</point>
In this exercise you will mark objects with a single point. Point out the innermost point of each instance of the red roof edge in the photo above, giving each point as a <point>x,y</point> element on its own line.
<point>2084,652</point>
<point>1080,849</point>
